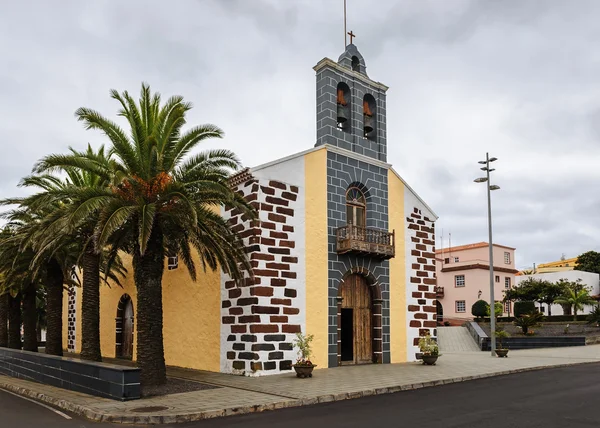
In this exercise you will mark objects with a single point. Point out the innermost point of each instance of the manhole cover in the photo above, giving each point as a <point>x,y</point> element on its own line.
<point>149,409</point>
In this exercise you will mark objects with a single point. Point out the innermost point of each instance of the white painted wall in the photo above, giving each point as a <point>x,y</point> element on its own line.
<point>589,279</point>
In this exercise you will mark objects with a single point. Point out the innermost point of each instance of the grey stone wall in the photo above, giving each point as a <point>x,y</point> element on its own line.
<point>342,171</point>
<point>328,78</point>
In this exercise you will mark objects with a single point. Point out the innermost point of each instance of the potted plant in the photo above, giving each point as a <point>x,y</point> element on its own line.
<point>303,366</point>
<point>429,349</point>
<point>501,351</point>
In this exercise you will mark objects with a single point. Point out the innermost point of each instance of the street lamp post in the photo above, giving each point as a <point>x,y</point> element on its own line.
<point>490,187</point>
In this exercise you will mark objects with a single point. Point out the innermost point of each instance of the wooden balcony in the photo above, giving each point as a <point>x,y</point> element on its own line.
<point>439,292</point>
<point>365,241</point>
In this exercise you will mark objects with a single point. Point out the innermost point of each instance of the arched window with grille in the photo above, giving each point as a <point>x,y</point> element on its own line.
<point>356,207</point>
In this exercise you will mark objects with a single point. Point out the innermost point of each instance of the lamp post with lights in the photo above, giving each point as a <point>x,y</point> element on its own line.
<point>490,187</point>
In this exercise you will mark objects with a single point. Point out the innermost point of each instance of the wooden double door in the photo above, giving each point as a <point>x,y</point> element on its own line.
<point>356,321</point>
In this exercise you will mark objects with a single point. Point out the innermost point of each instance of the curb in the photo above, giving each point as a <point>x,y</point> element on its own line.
<point>127,418</point>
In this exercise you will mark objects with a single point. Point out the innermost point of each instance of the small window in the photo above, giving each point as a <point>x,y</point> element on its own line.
<point>461,306</point>
<point>459,280</point>
<point>506,282</point>
<point>455,259</point>
<point>355,207</point>
<point>497,278</point>
<point>446,260</point>
<point>507,257</point>
<point>543,310</point>
<point>173,262</point>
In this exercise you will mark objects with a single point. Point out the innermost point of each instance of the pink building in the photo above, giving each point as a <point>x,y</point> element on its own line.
<point>463,277</point>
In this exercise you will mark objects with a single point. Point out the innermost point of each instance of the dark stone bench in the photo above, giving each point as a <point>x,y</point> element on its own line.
<point>99,379</point>
<point>534,342</point>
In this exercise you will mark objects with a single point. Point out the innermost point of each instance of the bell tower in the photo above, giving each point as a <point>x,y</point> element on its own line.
<point>351,107</point>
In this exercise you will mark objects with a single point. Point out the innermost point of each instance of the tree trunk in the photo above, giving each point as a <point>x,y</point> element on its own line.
<point>148,271</point>
<point>30,342</point>
<point>54,302</point>
<point>4,320</point>
<point>550,309</point>
<point>90,307</point>
<point>14,321</point>
<point>567,310</point>
<point>574,312</point>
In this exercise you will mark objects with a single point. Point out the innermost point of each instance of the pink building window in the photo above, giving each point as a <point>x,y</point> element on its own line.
<point>461,306</point>
<point>459,281</point>
<point>507,257</point>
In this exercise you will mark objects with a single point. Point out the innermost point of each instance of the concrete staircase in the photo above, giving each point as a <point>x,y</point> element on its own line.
<point>455,339</point>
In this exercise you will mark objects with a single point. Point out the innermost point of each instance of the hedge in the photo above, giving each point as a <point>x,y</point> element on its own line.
<point>524,308</point>
<point>553,318</point>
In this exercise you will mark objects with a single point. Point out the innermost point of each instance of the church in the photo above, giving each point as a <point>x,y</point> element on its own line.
<point>343,249</point>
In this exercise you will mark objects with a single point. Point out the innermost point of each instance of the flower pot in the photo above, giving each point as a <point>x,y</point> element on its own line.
<point>501,353</point>
<point>429,359</point>
<point>304,370</point>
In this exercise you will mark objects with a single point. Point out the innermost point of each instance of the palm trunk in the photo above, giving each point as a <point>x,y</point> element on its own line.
<point>148,271</point>
<point>30,342</point>
<point>574,312</point>
<point>550,309</point>
<point>90,307</point>
<point>54,302</point>
<point>4,320</point>
<point>14,322</point>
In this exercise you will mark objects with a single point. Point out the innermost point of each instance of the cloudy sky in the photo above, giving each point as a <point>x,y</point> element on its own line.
<point>519,79</point>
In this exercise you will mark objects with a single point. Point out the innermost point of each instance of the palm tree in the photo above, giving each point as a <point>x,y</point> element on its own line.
<point>3,316</point>
<point>162,200</point>
<point>66,223</point>
<point>577,299</point>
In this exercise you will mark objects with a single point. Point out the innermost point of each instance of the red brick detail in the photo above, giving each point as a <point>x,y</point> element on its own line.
<point>431,309</point>
<point>247,319</point>
<point>278,318</point>
<point>277,185</point>
<point>285,211</point>
<point>267,190</point>
<point>266,272</point>
<point>279,251</point>
<point>416,324</point>
<point>265,310</point>
<point>262,256</point>
<point>278,235</point>
<point>291,311</point>
<point>294,189</point>
<point>277,218</point>
<point>238,329</point>
<point>278,282</point>
<point>277,201</point>
<point>286,328</point>
<point>261,291</point>
<point>276,301</point>
<point>279,266</point>
<point>287,259</point>
<point>292,275</point>
<point>267,241</point>
<point>420,316</point>
<point>236,292</point>
<point>413,308</point>
<point>268,225</point>
<point>264,328</point>
<point>288,228</point>
<point>429,324</point>
<point>227,320</point>
<point>236,311</point>
<point>266,207</point>
<point>423,288</point>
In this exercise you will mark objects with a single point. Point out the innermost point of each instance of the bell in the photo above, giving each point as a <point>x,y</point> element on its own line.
<point>368,126</point>
<point>342,113</point>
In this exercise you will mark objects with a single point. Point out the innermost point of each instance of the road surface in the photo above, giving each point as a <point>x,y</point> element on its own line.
<point>552,398</point>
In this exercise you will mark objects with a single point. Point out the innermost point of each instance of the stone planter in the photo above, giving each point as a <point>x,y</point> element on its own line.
<point>429,359</point>
<point>501,353</point>
<point>304,371</point>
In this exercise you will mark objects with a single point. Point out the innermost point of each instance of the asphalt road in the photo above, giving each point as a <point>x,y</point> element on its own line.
<point>553,398</point>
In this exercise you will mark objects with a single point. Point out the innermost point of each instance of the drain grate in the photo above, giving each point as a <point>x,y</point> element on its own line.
<point>149,409</point>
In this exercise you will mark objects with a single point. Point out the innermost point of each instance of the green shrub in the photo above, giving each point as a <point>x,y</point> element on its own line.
<point>594,316</point>
<point>522,308</point>
<point>480,309</point>
<point>498,309</point>
<point>528,320</point>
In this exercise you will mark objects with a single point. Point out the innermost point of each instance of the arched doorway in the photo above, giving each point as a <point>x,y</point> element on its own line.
<point>356,321</point>
<point>124,328</point>
<point>440,311</point>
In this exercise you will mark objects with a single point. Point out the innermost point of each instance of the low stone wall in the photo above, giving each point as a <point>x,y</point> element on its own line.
<point>98,379</point>
<point>476,333</point>
<point>537,342</point>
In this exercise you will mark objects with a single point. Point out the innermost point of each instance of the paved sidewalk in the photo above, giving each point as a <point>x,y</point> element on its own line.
<point>455,339</point>
<point>245,395</point>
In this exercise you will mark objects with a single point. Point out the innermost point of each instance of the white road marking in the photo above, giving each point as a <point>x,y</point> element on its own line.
<point>58,412</point>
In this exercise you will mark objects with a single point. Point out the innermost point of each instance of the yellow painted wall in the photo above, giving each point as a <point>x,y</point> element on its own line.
<point>191,317</point>
<point>398,348</point>
<point>315,167</point>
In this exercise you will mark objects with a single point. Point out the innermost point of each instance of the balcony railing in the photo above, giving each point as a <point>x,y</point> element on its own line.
<point>439,292</point>
<point>366,241</point>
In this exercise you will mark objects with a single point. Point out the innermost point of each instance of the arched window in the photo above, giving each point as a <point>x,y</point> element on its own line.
<point>356,207</point>
<point>355,63</point>
<point>343,107</point>
<point>369,117</point>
